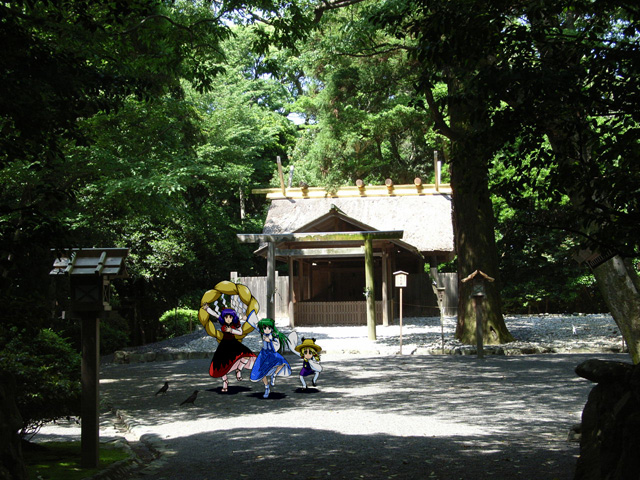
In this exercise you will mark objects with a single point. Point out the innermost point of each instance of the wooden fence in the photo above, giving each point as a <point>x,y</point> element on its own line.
<point>258,287</point>
<point>418,301</point>
<point>334,313</point>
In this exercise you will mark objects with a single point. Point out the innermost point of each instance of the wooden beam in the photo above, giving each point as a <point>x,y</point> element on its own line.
<point>271,282</point>
<point>320,236</point>
<point>324,252</point>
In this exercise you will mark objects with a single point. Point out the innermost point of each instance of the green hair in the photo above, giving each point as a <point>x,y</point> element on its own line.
<point>269,322</point>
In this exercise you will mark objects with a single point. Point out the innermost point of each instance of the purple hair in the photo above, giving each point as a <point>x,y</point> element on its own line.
<point>229,311</point>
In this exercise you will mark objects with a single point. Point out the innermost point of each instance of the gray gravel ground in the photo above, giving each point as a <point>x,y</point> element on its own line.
<point>374,415</point>
<point>428,336</point>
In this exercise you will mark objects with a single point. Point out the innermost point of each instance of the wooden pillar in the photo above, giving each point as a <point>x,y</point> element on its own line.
<point>292,292</point>
<point>90,432</point>
<point>299,279</point>
<point>385,288</point>
<point>433,268</point>
<point>370,288</point>
<point>271,281</point>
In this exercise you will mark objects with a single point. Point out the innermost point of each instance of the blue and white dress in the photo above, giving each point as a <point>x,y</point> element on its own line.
<point>268,361</point>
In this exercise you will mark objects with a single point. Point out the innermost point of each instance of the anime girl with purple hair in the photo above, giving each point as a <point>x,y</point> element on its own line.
<point>231,355</point>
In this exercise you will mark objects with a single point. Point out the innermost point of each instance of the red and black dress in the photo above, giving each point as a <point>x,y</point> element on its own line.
<point>229,355</point>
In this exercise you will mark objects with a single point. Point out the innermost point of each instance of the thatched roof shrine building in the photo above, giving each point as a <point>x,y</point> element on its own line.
<point>316,233</point>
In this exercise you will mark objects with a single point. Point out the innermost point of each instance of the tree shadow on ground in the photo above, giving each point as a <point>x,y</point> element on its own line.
<point>310,453</point>
<point>404,416</point>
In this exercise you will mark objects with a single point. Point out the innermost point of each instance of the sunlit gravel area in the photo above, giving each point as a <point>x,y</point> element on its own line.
<point>533,334</point>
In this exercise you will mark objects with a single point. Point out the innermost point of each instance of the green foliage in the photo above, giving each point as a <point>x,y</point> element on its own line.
<point>93,111</point>
<point>176,322</point>
<point>362,120</point>
<point>114,334</point>
<point>47,373</point>
<point>145,125</point>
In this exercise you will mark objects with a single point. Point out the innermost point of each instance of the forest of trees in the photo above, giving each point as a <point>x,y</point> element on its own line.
<point>145,125</point>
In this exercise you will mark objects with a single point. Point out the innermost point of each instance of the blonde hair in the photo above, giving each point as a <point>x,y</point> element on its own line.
<point>313,351</point>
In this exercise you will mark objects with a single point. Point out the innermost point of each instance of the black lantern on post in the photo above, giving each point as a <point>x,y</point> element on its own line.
<point>90,271</point>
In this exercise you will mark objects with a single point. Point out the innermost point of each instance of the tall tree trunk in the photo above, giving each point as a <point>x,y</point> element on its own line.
<point>617,280</point>
<point>476,248</point>
<point>620,287</point>
<point>474,223</point>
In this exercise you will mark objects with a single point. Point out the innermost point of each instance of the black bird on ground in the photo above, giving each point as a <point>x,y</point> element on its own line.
<point>164,388</point>
<point>192,398</point>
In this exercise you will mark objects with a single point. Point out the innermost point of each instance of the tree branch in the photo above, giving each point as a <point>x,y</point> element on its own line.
<point>328,5</point>
<point>439,121</point>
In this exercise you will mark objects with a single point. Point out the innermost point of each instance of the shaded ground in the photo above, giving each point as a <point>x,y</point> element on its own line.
<point>437,417</point>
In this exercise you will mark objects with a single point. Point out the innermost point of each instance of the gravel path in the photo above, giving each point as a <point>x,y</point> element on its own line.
<point>422,416</point>
<point>374,415</point>
<point>424,336</point>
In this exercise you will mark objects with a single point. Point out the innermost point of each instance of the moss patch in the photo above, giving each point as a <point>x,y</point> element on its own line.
<point>61,460</point>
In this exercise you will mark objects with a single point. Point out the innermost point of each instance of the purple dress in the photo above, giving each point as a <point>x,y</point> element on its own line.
<point>306,369</point>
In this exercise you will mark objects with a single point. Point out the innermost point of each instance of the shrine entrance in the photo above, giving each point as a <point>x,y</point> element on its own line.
<point>310,281</point>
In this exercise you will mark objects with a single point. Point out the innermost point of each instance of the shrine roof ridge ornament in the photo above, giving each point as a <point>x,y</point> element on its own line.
<point>358,190</point>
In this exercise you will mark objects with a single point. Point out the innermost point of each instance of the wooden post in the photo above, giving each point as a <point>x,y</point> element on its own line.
<point>299,279</point>
<point>385,288</point>
<point>370,288</point>
<point>477,301</point>
<point>478,277</point>
<point>441,305</point>
<point>271,281</point>
<point>290,175</point>
<point>436,167</point>
<point>90,432</point>
<point>242,204</point>
<point>281,176</point>
<point>292,320</point>
<point>401,321</point>
<point>401,283</point>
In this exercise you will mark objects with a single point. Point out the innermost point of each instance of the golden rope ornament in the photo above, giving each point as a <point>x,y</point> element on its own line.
<point>227,288</point>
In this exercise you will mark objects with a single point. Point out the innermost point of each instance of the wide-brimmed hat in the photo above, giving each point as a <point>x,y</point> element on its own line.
<point>308,343</point>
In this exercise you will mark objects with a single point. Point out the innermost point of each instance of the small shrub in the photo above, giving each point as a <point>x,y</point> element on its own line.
<point>47,373</point>
<point>175,322</point>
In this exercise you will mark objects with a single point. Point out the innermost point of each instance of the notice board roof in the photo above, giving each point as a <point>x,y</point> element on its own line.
<point>107,262</point>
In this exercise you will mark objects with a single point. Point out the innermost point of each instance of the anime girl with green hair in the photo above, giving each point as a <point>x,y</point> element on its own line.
<point>270,362</point>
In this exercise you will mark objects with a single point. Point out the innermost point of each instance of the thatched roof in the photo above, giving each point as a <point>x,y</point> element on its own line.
<point>426,220</point>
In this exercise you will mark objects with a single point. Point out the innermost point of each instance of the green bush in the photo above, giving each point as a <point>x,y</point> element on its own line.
<point>47,373</point>
<point>175,322</point>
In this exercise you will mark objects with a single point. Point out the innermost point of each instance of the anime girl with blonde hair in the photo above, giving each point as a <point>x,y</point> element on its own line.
<point>310,354</point>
